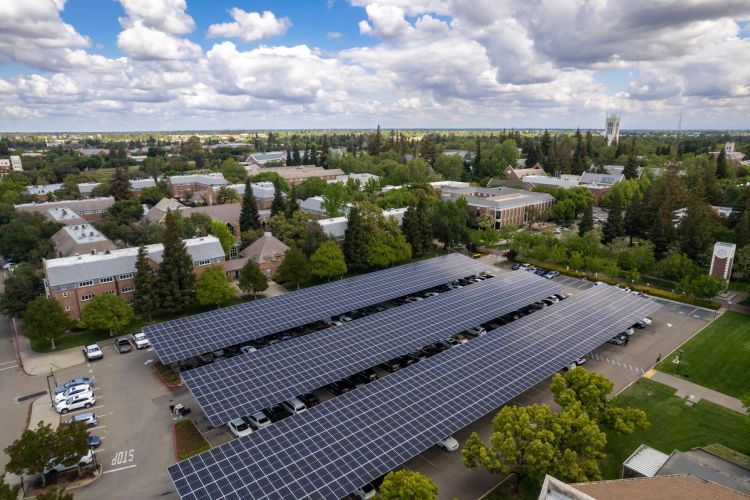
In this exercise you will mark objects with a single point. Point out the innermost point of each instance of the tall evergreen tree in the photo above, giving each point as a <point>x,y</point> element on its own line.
<point>278,206</point>
<point>325,151</point>
<point>586,223</point>
<point>477,160</point>
<point>296,158</point>
<point>545,145</point>
<point>579,155</point>
<point>376,143</point>
<point>119,186</point>
<point>696,230</point>
<point>631,166</point>
<point>589,145</point>
<point>291,203</point>
<point>613,228</point>
<point>355,240</point>
<point>417,227</point>
<point>249,218</point>
<point>722,172</point>
<point>176,278</point>
<point>146,287</point>
<point>634,223</point>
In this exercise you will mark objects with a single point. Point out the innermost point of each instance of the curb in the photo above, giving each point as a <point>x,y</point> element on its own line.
<point>174,441</point>
<point>168,386</point>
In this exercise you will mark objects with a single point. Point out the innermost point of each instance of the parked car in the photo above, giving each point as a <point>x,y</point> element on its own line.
<point>309,399</point>
<point>616,341</point>
<point>276,413</point>
<point>140,341</point>
<point>247,349</point>
<point>477,330</point>
<point>239,427</point>
<point>448,444</point>
<point>366,492</point>
<point>294,406</point>
<point>553,298</point>
<point>452,342</point>
<point>413,299</point>
<point>430,294</point>
<point>628,332</point>
<point>540,271</point>
<point>92,352</point>
<point>72,391</point>
<point>339,387</point>
<point>488,275</point>
<point>94,441</point>
<point>413,357</point>
<point>392,365</point>
<point>643,323</point>
<point>55,467</point>
<point>597,283</point>
<point>83,400</point>
<point>525,266</point>
<point>88,418</point>
<point>123,345</point>
<point>549,302</point>
<point>258,420</point>
<point>75,381</point>
<point>551,275</point>
<point>580,361</point>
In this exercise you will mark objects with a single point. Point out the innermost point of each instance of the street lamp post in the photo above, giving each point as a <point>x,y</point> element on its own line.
<point>679,360</point>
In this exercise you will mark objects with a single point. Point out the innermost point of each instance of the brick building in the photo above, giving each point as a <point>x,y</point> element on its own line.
<point>268,252</point>
<point>42,192</point>
<point>517,174</point>
<point>136,187</point>
<point>299,174</point>
<point>79,240</point>
<point>73,281</point>
<point>194,187</point>
<point>722,260</point>
<point>505,205</point>
<point>263,192</point>
<point>90,210</point>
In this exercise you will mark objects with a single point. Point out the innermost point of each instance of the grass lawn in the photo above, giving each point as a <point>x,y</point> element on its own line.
<point>718,357</point>
<point>674,425</point>
<point>83,337</point>
<point>188,439</point>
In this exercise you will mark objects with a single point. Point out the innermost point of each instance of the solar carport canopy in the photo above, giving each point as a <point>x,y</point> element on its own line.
<point>335,448</point>
<point>201,333</point>
<point>247,383</point>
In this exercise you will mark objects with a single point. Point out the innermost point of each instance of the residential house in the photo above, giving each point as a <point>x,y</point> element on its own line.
<point>504,205</point>
<point>517,174</point>
<point>267,251</point>
<point>314,206</point>
<point>194,187</point>
<point>263,158</point>
<point>80,239</point>
<point>73,281</point>
<point>43,192</point>
<point>263,192</point>
<point>298,174</point>
<point>91,209</point>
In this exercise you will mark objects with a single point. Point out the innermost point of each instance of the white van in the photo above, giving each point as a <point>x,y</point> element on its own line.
<point>294,406</point>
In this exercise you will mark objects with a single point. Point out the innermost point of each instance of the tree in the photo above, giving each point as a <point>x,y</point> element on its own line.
<point>586,223</point>
<point>192,149</point>
<point>221,231</point>
<point>176,278</point>
<point>249,218</point>
<point>579,155</point>
<point>54,494</point>
<point>355,240</point>
<point>450,167</point>
<point>563,211</point>
<point>252,279</point>
<point>8,492</point>
<point>592,391</point>
<point>428,150</point>
<point>328,261</point>
<point>226,195</point>
<point>31,453</point>
<point>107,312</point>
<point>407,485</point>
<point>696,231</point>
<point>450,222</point>
<point>21,287</point>
<point>722,172</point>
<point>634,224</point>
<point>375,144</point>
<point>71,442</point>
<point>631,166</point>
<point>613,228</point>
<point>742,262</point>
<point>278,206</point>
<point>26,237</point>
<point>153,167</point>
<point>119,186</point>
<point>417,227</point>
<point>295,269</point>
<point>387,246</point>
<point>146,283</point>
<point>314,186</point>
<point>213,287</point>
<point>335,197</point>
<point>233,171</point>
<point>44,319</point>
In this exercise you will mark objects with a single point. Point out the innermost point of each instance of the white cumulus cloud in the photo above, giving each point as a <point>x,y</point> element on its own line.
<point>250,26</point>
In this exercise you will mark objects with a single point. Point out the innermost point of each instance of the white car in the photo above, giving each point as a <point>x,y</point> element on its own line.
<point>72,391</point>
<point>52,467</point>
<point>239,427</point>
<point>294,406</point>
<point>92,351</point>
<point>448,444</point>
<point>646,321</point>
<point>259,420</point>
<point>580,361</point>
<point>247,349</point>
<point>597,283</point>
<point>140,340</point>
<point>83,400</point>
<point>629,332</point>
<point>366,492</point>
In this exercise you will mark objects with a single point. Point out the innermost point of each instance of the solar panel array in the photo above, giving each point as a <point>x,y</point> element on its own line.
<point>244,384</point>
<point>201,333</point>
<point>332,449</point>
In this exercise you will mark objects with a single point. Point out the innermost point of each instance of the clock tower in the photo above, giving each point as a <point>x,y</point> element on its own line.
<point>721,262</point>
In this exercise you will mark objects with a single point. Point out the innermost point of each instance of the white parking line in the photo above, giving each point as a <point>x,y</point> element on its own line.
<point>9,362</point>
<point>86,409</point>
<point>100,427</point>
<point>119,469</point>
<point>9,367</point>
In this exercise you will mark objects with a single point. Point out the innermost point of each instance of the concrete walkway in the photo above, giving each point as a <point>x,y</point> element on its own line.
<point>686,389</point>
<point>274,289</point>
<point>40,363</point>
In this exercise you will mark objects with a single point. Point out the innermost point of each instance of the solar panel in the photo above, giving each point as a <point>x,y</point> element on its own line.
<point>334,448</point>
<point>247,383</point>
<point>201,333</point>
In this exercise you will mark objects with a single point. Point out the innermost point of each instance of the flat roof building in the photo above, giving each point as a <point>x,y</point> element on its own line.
<point>80,239</point>
<point>505,205</point>
<point>298,174</point>
<point>91,209</point>
<point>263,158</point>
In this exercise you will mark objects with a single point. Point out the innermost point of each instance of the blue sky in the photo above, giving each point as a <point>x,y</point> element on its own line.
<point>150,64</point>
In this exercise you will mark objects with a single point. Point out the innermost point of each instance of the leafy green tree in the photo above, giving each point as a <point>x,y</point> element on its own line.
<point>407,485</point>
<point>563,211</point>
<point>221,231</point>
<point>249,218</point>
<point>299,230</point>
<point>226,195</point>
<point>631,167</point>
<point>722,171</point>
<point>592,391</point>
<point>295,269</point>
<point>335,197</point>
<point>387,246</point>
<point>741,263</point>
<point>579,155</point>
<point>328,261</point>
<point>634,223</point>
<point>355,239</point>
<point>44,319</point>
<point>450,167</point>
<point>252,279</point>
<point>146,286</point>
<point>695,231</point>
<point>125,211</point>
<point>31,453</point>
<point>450,222</point>
<point>176,278</point>
<point>417,227</point>
<point>233,171</point>
<point>614,227</point>
<point>676,266</point>
<point>119,186</point>
<point>586,223</point>
<point>702,285</point>
<point>55,494</point>
<point>152,194</point>
<point>639,258</point>
<point>213,287</point>
<point>71,442</point>
<point>8,492</point>
<point>107,312</point>
<point>278,206</point>
<point>153,167</point>
<point>21,287</point>
<point>26,237</point>
<point>314,186</point>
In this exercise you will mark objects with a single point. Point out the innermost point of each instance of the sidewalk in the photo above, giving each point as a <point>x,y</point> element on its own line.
<point>37,363</point>
<point>685,389</point>
<point>274,289</point>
